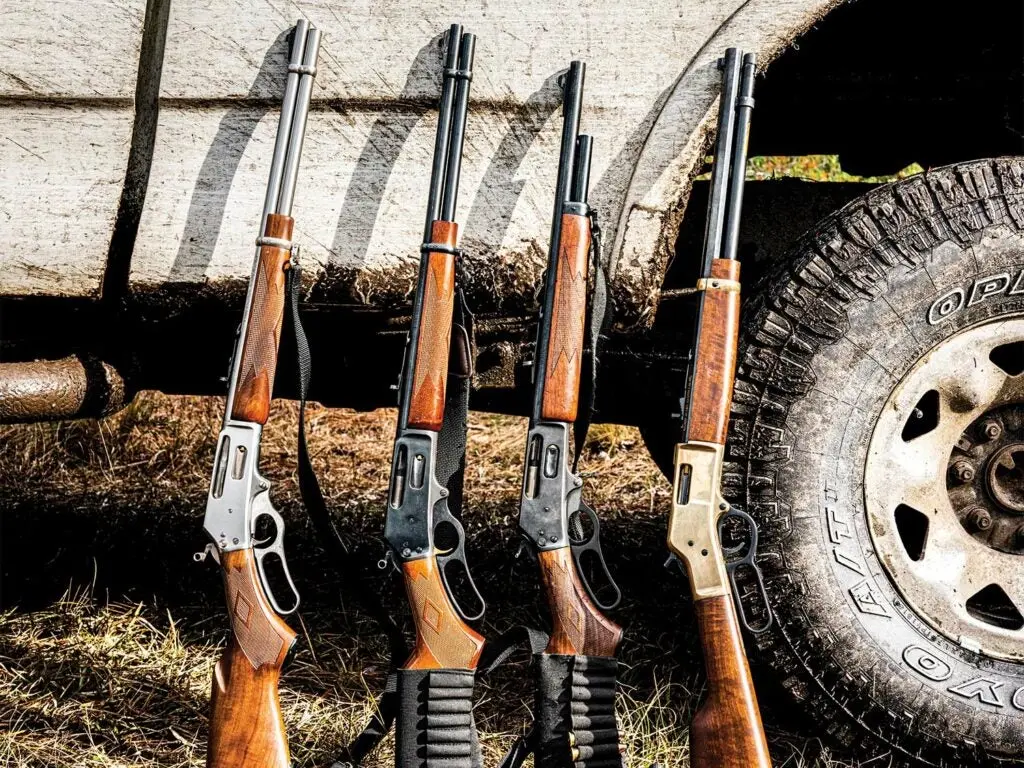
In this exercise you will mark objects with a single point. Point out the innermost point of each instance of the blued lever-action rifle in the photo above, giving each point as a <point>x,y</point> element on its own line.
<point>435,685</point>
<point>574,711</point>
<point>246,728</point>
<point>727,730</point>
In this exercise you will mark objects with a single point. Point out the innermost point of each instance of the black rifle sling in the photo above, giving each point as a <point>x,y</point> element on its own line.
<point>451,440</point>
<point>351,578</point>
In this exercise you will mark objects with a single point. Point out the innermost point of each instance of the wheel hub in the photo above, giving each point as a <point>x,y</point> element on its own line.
<point>985,479</point>
<point>1006,478</point>
<point>944,488</point>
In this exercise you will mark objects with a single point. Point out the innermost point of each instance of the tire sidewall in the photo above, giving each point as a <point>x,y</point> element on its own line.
<point>840,615</point>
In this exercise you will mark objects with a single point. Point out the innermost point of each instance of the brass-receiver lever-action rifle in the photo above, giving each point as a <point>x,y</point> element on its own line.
<point>435,685</point>
<point>727,730</point>
<point>246,728</point>
<point>575,708</point>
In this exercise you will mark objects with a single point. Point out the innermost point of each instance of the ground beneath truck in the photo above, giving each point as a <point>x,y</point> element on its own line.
<point>111,632</point>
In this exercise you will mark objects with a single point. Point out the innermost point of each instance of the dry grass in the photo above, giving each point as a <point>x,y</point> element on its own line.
<point>111,631</point>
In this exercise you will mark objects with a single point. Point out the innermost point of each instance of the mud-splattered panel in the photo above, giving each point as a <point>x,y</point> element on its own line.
<point>67,86</point>
<point>61,173</point>
<point>86,49</point>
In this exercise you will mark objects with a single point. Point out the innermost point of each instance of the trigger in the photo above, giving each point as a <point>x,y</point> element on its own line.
<point>526,546</point>
<point>673,562</point>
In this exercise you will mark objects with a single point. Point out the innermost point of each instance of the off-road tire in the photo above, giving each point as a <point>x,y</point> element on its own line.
<point>868,292</point>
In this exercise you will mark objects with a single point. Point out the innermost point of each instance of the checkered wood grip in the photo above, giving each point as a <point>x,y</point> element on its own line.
<point>246,727</point>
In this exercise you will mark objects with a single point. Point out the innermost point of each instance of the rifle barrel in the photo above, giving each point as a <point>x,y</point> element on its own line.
<point>458,127</point>
<point>297,134</point>
<point>284,124</point>
<point>572,105</point>
<point>720,169</point>
<point>744,107</point>
<point>444,120</point>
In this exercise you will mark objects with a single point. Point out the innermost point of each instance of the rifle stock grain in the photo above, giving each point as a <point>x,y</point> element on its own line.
<point>255,384</point>
<point>430,372</point>
<point>578,627</point>
<point>443,639</point>
<point>246,727</point>
<point>727,730</point>
<point>560,399</point>
<point>716,358</point>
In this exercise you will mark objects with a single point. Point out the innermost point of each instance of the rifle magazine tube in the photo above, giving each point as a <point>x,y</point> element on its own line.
<point>581,169</point>
<point>714,228</point>
<point>297,135</point>
<point>439,165</point>
<point>284,124</point>
<point>744,108</point>
<point>457,137</point>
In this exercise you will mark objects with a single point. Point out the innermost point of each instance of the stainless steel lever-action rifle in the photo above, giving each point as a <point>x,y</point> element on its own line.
<point>246,728</point>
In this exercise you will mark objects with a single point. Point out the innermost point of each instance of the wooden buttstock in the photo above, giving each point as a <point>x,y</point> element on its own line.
<point>560,397</point>
<point>578,627</point>
<point>727,730</point>
<point>716,358</point>
<point>246,727</point>
<point>255,383</point>
<point>430,372</point>
<point>443,639</point>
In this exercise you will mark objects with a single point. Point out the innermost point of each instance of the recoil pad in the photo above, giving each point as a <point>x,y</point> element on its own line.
<point>435,725</point>
<point>576,695</point>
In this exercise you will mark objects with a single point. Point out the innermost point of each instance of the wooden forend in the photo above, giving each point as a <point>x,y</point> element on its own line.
<point>716,358</point>
<point>727,730</point>
<point>443,639</point>
<point>568,318</point>
<point>578,627</point>
<point>255,384</point>
<point>246,727</point>
<point>430,370</point>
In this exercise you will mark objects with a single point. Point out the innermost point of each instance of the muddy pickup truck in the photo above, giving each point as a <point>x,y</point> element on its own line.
<point>878,426</point>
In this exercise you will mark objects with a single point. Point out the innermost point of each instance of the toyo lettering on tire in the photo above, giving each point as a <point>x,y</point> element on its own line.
<point>878,437</point>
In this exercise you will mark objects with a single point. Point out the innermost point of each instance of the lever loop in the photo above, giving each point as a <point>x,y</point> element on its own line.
<point>457,554</point>
<point>593,544</point>
<point>734,560</point>
<point>274,547</point>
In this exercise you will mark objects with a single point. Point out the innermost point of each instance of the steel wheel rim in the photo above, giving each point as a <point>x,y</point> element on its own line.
<point>953,566</point>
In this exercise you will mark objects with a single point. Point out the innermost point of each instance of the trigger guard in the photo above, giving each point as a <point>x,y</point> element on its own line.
<point>276,547</point>
<point>751,527</point>
<point>593,544</point>
<point>458,553</point>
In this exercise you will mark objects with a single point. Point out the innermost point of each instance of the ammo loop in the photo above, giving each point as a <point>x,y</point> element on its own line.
<point>435,725</point>
<point>575,712</point>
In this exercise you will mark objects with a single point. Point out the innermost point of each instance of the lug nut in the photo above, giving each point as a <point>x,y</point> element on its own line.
<point>979,519</point>
<point>963,471</point>
<point>991,429</point>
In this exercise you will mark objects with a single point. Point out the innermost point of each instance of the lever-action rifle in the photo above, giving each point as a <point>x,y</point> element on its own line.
<point>727,730</point>
<point>246,728</point>
<point>575,707</point>
<point>435,685</point>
